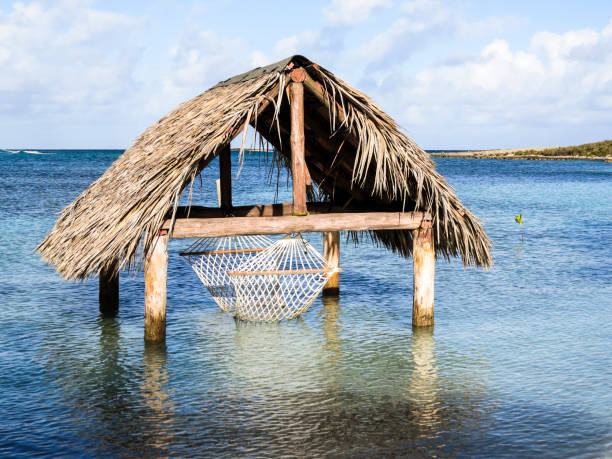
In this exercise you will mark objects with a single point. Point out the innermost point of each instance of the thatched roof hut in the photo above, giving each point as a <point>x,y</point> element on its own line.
<point>355,153</point>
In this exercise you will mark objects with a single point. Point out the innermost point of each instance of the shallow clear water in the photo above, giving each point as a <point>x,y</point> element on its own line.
<point>518,363</point>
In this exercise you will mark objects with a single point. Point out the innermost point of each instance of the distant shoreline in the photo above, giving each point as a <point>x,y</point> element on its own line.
<point>502,154</point>
<point>598,151</point>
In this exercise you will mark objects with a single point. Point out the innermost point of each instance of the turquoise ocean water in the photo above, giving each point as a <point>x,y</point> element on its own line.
<point>518,364</point>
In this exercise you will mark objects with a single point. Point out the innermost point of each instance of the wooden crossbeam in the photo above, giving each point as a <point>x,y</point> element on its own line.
<point>285,224</point>
<point>259,210</point>
<point>273,210</point>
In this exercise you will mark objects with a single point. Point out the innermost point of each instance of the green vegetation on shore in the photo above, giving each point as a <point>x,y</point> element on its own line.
<point>593,150</point>
<point>599,151</point>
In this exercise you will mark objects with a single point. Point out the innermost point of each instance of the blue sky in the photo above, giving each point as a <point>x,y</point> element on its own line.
<point>454,74</point>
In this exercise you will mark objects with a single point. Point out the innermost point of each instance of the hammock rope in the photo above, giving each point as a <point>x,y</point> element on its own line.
<point>212,258</point>
<point>258,280</point>
<point>280,282</point>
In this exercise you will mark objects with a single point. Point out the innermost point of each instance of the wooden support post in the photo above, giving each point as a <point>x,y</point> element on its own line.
<point>331,252</point>
<point>296,91</point>
<point>225,175</point>
<point>156,272</point>
<point>108,296</point>
<point>424,262</point>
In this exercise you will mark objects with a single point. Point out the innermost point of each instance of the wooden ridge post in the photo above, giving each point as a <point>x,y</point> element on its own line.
<point>296,91</point>
<point>108,294</point>
<point>225,175</point>
<point>156,273</point>
<point>331,252</point>
<point>424,262</point>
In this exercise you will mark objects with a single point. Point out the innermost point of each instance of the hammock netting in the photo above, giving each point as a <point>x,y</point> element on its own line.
<point>211,258</point>
<point>269,285</point>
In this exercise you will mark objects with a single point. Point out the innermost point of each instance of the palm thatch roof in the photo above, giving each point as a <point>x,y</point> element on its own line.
<point>354,152</point>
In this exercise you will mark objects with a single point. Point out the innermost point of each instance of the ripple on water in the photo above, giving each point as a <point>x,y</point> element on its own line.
<point>518,364</point>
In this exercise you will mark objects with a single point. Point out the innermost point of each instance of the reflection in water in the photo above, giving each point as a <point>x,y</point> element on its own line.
<point>156,395</point>
<point>275,355</point>
<point>120,387</point>
<point>518,252</point>
<point>281,389</point>
<point>285,389</point>
<point>332,347</point>
<point>423,386</point>
<point>110,370</point>
<point>331,325</point>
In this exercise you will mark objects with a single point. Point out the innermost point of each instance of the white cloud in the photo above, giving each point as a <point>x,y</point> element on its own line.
<point>495,25</point>
<point>259,59</point>
<point>420,6</point>
<point>559,80</point>
<point>500,70</point>
<point>199,60</point>
<point>65,58</point>
<point>328,41</point>
<point>294,44</point>
<point>203,57</point>
<point>423,21</point>
<point>351,12</point>
<point>73,63</point>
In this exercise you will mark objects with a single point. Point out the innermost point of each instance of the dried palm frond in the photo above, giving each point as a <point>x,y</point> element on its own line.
<point>115,220</point>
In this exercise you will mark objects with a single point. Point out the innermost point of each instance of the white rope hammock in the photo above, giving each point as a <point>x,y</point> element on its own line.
<point>280,282</point>
<point>258,280</point>
<point>211,258</point>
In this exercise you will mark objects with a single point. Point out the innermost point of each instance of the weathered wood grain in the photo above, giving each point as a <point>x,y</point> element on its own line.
<point>233,226</point>
<point>424,262</point>
<point>156,273</point>
<point>331,252</point>
<point>296,89</point>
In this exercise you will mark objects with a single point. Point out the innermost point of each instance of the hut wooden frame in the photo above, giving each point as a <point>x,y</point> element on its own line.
<point>372,179</point>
